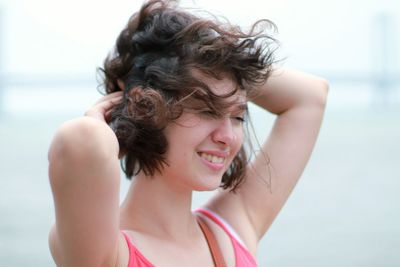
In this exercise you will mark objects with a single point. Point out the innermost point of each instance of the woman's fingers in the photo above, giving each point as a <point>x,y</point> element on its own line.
<point>109,96</point>
<point>108,104</point>
<point>102,108</point>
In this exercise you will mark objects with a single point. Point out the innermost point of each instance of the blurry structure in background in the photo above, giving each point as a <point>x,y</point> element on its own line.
<point>385,57</point>
<point>1,65</point>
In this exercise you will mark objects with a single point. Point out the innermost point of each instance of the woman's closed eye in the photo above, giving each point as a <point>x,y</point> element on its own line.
<point>210,114</point>
<point>239,118</point>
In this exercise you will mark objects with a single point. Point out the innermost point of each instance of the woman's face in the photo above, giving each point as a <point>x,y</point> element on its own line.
<point>201,147</point>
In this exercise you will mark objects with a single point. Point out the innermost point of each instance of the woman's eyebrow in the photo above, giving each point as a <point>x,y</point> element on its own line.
<point>240,108</point>
<point>243,107</point>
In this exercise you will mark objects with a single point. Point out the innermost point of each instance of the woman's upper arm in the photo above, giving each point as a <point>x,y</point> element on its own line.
<point>272,175</point>
<point>84,178</point>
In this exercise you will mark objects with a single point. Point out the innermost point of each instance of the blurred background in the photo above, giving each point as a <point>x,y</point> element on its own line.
<point>345,209</point>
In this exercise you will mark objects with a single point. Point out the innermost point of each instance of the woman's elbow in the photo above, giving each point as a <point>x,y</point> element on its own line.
<point>70,138</point>
<point>83,137</point>
<point>320,92</point>
<point>81,142</point>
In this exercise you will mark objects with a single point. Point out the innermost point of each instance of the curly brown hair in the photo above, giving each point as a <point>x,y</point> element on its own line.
<point>154,62</point>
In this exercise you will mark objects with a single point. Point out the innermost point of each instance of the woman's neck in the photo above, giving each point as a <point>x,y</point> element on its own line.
<point>154,206</point>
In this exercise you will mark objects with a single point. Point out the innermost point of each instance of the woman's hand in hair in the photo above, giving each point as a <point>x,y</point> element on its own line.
<point>101,110</point>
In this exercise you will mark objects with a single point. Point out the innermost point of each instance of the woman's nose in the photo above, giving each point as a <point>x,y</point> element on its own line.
<point>224,132</point>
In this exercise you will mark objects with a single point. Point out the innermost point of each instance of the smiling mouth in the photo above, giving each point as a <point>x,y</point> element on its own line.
<point>212,158</point>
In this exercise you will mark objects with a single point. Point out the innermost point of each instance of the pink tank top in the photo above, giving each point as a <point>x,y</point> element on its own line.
<point>243,257</point>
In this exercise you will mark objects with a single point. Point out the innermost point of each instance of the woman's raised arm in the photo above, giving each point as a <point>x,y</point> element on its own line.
<point>84,178</point>
<point>298,100</point>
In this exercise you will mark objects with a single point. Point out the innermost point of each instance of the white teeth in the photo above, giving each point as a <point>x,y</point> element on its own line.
<point>212,158</point>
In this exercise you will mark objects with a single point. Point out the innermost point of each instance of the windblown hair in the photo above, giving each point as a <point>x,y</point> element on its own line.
<point>155,61</point>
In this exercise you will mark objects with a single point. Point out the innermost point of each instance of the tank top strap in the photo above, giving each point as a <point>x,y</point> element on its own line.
<point>243,257</point>
<point>136,259</point>
<point>222,223</point>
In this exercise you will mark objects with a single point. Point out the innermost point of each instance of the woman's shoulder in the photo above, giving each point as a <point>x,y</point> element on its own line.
<point>124,251</point>
<point>121,258</point>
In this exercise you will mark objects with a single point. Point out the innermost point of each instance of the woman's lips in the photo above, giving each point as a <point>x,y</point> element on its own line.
<point>215,160</point>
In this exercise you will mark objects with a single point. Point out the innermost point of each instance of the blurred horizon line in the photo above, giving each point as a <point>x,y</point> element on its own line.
<point>80,79</point>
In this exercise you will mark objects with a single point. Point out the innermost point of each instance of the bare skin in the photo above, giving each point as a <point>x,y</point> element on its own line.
<point>85,180</point>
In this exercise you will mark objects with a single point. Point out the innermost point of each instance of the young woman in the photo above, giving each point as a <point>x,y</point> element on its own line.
<point>177,91</point>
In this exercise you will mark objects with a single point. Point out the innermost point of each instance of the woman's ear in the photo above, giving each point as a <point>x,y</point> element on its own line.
<point>121,85</point>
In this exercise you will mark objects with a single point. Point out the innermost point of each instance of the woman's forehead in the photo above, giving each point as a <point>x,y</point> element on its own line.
<point>222,84</point>
<point>227,86</point>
